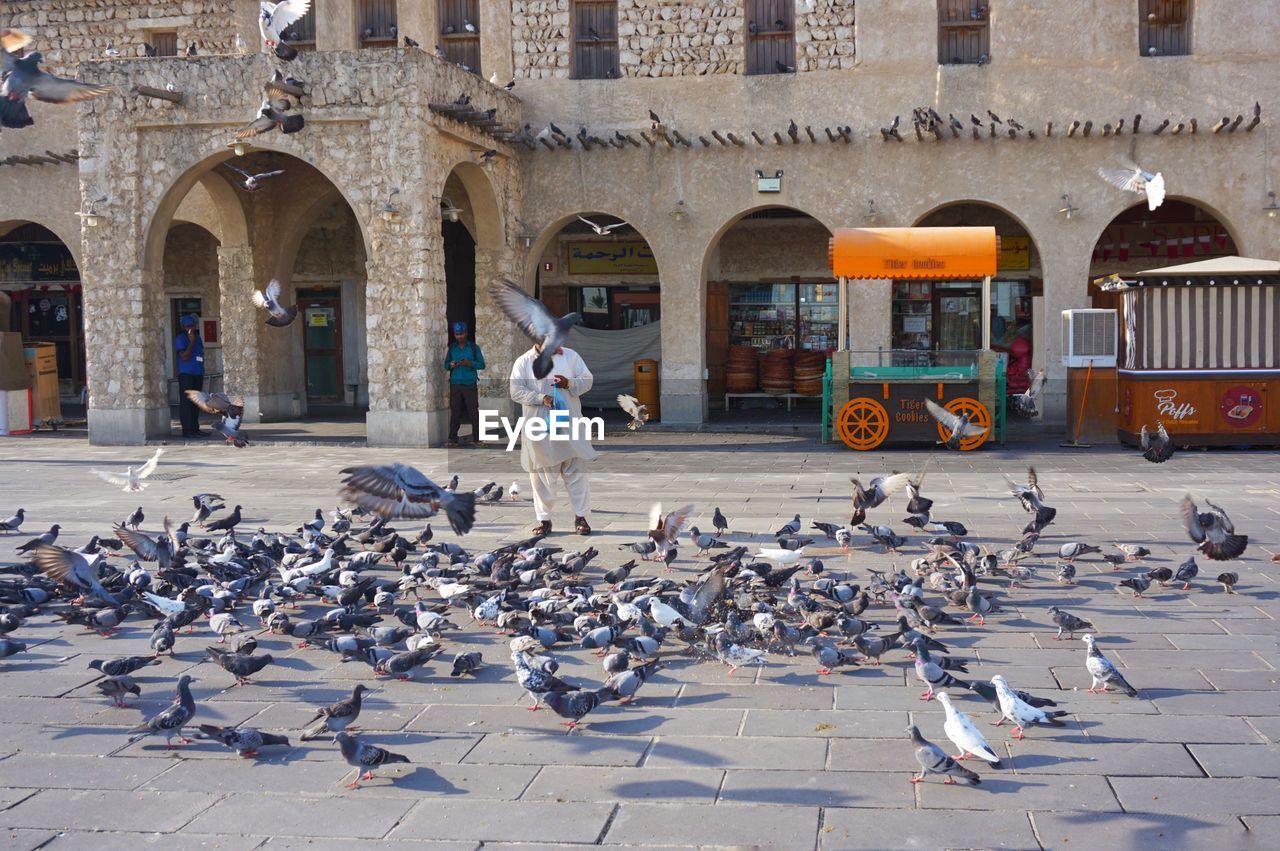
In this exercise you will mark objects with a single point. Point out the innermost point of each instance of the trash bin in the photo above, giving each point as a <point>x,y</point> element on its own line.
<point>646,373</point>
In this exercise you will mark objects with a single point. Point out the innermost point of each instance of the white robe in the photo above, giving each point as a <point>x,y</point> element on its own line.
<point>528,392</point>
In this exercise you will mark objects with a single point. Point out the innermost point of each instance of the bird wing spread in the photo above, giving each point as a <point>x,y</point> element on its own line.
<point>64,566</point>
<point>53,89</point>
<point>287,12</point>
<point>113,478</point>
<point>529,314</point>
<point>1191,519</point>
<point>629,404</point>
<point>1128,179</point>
<point>150,467</point>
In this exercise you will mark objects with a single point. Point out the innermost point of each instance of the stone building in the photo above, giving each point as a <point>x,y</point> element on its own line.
<point>777,126</point>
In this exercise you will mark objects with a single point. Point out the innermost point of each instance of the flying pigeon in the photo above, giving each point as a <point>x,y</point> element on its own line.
<point>1103,672</point>
<point>1133,178</point>
<point>275,18</point>
<point>664,530</point>
<point>253,182</point>
<point>1156,447</point>
<point>269,300</point>
<point>395,491</point>
<point>132,480</point>
<point>933,760</point>
<point>639,413</point>
<point>1024,403</point>
<point>957,425</point>
<point>72,569</point>
<point>537,323</point>
<point>965,734</point>
<point>22,77</point>
<point>1213,531</point>
<point>364,757</point>
<point>879,490</point>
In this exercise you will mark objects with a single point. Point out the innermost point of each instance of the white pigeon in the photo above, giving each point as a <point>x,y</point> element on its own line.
<point>964,734</point>
<point>736,656</point>
<point>780,556</point>
<point>224,624</point>
<point>1133,178</point>
<point>278,17</point>
<point>164,604</point>
<point>639,413</point>
<point>132,480</point>
<point>1021,713</point>
<point>269,300</point>
<point>664,615</point>
<point>513,492</point>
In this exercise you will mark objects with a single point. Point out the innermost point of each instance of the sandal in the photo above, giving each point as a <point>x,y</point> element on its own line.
<point>543,528</point>
<point>580,526</point>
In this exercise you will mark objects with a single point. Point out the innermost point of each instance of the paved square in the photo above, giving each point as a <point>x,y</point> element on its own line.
<point>775,757</point>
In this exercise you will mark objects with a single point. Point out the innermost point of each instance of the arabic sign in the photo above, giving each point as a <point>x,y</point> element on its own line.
<point>1015,254</point>
<point>632,257</point>
<point>22,262</point>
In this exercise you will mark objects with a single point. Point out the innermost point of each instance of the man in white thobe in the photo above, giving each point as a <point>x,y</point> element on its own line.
<point>548,460</point>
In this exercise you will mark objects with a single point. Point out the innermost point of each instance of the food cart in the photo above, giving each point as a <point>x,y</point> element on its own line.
<point>1201,352</point>
<point>879,396</point>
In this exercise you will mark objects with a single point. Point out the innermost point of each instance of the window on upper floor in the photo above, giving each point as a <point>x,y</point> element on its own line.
<point>302,34</point>
<point>771,36</point>
<point>964,32</point>
<point>163,42</point>
<point>376,22</point>
<point>1164,27</point>
<point>460,32</point>
<point>595,39</point>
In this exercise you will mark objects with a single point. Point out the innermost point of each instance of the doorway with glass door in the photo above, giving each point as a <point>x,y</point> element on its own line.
<point>322,346</point>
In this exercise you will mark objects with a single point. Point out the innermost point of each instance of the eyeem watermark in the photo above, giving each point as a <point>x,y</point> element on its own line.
<point>557,425</point>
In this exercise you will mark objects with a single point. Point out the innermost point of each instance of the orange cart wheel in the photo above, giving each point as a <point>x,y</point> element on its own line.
<point>978,415</point>
<point>862,424</point>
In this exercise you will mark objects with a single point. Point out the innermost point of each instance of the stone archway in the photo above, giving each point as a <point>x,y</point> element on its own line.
<point>41,295</point>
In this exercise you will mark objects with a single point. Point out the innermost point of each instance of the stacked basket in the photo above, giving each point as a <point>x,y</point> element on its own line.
<point>741,372</point>
<point>809,369</point>
<point>777,371</point>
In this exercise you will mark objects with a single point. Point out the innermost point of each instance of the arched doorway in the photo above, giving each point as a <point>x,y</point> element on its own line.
<point>600,266</point>
<point>1178,231</point>
<point>944,317</point>
<point>769,296</point>
<point>41,297</point>
<point>191,288</point>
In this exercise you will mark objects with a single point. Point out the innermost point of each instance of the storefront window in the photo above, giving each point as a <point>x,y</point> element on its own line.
<point>784,316</point>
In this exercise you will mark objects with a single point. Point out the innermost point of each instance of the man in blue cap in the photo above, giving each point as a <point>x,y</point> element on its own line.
<point>463,360</point>
<point>190,351</point>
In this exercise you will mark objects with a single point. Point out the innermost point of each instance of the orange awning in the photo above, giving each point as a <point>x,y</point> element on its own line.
<point>933,253</point>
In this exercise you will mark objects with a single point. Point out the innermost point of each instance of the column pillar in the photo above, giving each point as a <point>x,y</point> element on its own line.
<point>501,341</point>
<point>240,321</point>
<point>420,20</point>
<point>335,24</point>
<point>682,388</point>
<point>1066,286</point>
<point>495,37</point>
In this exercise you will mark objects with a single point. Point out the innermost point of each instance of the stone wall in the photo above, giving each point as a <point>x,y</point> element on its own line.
<point>68,32</point>
<point>676,38</point>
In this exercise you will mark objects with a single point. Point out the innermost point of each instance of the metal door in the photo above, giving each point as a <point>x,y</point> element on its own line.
<point>322,344</point>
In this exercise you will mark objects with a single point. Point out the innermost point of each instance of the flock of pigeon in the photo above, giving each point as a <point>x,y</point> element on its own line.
<point>341,585</point>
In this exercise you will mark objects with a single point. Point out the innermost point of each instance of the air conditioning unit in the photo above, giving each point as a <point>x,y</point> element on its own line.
<point>1089,336</point>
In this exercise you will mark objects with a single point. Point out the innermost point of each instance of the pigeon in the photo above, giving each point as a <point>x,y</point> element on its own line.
<point>465,663</point>
<point>639,413</point>
<point>336,717</point>
<point>735,655</point>
<point>1228,581</point>
<point>532,317</point>
<point>981,605</point>
<point>1133,552</point>
<point>14,523</point>
<point>117,687</point>
<point>240,665</point>
<point>23,77</point>
<point>170,721</point>
<point>879,490</point>
<point>705,543</point>
<point>1103,672</point>
<point>1068,622</point>
<point>790,528</point>
<point>191,49</point>
<point>401,665</point>
<point>9,648</point>
<point>575,705</point>
<point>932,674</point>
<point>133,480</point>
<point>1187,571</point>
<point>1156,448</point>
<point>245,741</point>
<point>957,425</point>
<point>624,684</point>
<point>394,491</point>
<point>1137,583</point>
<point>1024,403</point>
<point>1131,177</point>
<point>830,656</point>
<point>409,42</point>
<point>275,19</point>
<point>1213,532</point>
<point>933,760</point>
<point>988,693</point>
<point>719,521</point>
<point>1022,714</point>
<point>536,677</point>
<point>364,757</point>
<point>225,524</point>
<point>72,569</point>
<point>664,530</point>
<point>965,734</point>
<point>1073,550</point>
<point>122,665</point>
<point>253,182</point>
<point>275,112</point>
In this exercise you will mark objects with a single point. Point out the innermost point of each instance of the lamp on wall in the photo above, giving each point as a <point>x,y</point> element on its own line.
<point>1067,207</point>
<point>872,214</point>
<point>90,216</point>
<point>1272,208</point>
<point>389,210</point>
<point>448,212</point>
<point>238,147</point>
<point>680,213</point>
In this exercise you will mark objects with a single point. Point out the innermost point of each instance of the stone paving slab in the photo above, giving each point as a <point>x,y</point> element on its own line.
<point>913,829</point>
<point>758,825</point>
<point>516,821</point>
<point>1238,760</point>
<point>817,788</point>
<point>589,783</point>
<point>107,809</point>
<point>367,817</point>
<point>1178,796</point>
<point>737,752</point>
<point>1114,830</point>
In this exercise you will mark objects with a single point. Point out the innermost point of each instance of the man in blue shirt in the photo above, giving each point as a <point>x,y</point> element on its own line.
<point>463,360</point>
<point>190,351</point>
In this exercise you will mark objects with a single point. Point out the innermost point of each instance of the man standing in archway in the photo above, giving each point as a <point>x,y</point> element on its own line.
<point>547,459</point>
<point>190,350</point>
<point>463,360</point>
